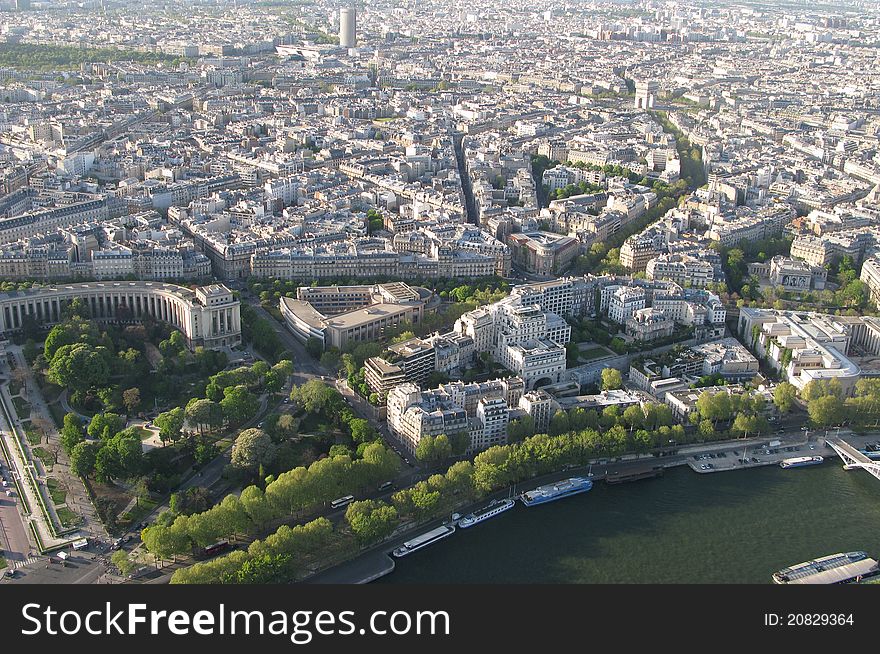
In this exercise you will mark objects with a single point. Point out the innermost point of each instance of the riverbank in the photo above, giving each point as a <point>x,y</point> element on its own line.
<point>683,528</point>
<point>376,563</point>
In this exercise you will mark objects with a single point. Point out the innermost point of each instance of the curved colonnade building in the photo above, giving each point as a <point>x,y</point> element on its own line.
<point>209,315</point>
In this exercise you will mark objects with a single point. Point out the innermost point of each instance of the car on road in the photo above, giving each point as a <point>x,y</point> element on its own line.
<point>385,485</point>
<point>10,492</point>
<point>10,574</point>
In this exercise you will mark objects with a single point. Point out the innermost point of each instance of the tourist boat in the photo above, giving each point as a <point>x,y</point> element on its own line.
<point>556,491</point>
<point>423,540</point>
<point>802,572</point>
<point>495,507</point>
<point>798,461</point>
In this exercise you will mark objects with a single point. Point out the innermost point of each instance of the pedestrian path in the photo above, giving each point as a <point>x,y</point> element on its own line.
<point>20,564</point>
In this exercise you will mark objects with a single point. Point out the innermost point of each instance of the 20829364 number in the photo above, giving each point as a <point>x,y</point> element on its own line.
<point>819,619</point>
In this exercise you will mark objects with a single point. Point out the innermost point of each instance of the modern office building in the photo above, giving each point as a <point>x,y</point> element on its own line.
<point>347,27</point>
<point>338,315</point>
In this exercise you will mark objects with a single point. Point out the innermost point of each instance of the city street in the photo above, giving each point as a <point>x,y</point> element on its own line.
<point>14,540</point>
<point>80,568</point>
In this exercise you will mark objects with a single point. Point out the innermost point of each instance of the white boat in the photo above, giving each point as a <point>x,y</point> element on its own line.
<point>832,569</point>
<point>424,540</point>
<point>798,461</point>
<point>495,507</point>
<point>556,491</point>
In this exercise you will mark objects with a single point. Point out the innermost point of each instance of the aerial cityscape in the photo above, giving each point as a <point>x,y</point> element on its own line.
<point>292,291</point>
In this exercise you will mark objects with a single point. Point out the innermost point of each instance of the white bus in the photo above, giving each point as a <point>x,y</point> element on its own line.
<point>342,501</point>
<point>80,544</point>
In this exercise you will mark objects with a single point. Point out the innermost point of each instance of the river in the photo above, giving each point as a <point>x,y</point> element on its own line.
<point>727,527</point>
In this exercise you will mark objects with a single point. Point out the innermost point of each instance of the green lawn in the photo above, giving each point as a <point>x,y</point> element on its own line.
<point>137,514</point>
<point>2,563</point>
<point>22,408</point>
<point>142,433</point>
<point>58,494</point>
<point>45,456</point>
<point>594,352</point>
<point>33,436</point>
<point>67,517</point>
<point>14,387</point>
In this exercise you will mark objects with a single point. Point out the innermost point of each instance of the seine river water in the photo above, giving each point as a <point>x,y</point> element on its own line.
<point>729,527</point>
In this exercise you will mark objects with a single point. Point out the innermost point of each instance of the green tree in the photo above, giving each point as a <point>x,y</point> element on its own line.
<point>122,562</point>
<point>83,457</point>
<point>315,396</point>
<point>611,379</point>
<point>166,543</point>
<point>239,404</point>
<point>371,520</point>
<point>251,449</point>
<point>362,431</point>
<point>71,432</point>
<point>203,412</point>
<point>425,449</point>
<point>170,424</point>
<point>255,504</point>
<point>634,417</point>
<point>424,501</point>
<point>79,366</point>
<point>403,336</point>
<point>105,425</point>
<point>131,398</point>
<point>784,397</point>
<point>442,448</point>
<point>558,424</point>
<point>826,411</point>
<point>706,430</point>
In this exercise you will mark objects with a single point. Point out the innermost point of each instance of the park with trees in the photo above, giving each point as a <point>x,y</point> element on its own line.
<point>845,294</point>
<point>575,437</point>
<point>113,372</point>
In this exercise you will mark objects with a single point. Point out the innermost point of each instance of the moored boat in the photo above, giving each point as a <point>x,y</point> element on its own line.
<point>423,540</point>
<point>556,491</point>
<point>494,508</point>
<point>798,461</point>
<point>832,569</point>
